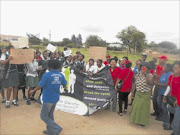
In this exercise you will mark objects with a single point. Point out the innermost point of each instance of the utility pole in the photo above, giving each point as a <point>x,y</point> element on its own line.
<point>49,35</point>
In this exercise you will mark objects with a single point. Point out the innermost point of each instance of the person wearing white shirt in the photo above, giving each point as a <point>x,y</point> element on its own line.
<point>90,68</point>
<point>100,65</point>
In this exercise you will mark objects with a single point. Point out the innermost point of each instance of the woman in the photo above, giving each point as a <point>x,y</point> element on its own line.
<point>108,57</point>
<point>174,87</point>
<point>141,104</point>
<point>90,68</point>
<point>32,77</point>
<point>115,72</point>
<point>100,65</point>
<point>51,56</point>
<point>126,77</point>
<point>38,55</point>
<point>10,78</point>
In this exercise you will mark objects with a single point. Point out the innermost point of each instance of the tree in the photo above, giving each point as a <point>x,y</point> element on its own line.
<point>167,45</point>
<point>73,39</point>
<point>79,39</point>
<point>45,41</point>
<point>94,40</point>
<point>66,41</point>
<point>33,39</point>
<point>132,38</point>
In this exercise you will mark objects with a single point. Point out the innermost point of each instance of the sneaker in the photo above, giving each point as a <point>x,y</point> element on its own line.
<point>15,103</point>
<point>7,104</point>
<point>154,113</point>
<point>28,102</point>
<point>45,132</point>
<point>3,100</point>
<point>24,97</point>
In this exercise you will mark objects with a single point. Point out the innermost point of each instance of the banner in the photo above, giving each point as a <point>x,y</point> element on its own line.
<point>85,95</point>
<point>21,56</point>
<point>22,42</point>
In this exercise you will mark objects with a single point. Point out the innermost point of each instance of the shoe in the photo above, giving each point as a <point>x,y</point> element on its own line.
<point>151,97</point>
<point>24,97</point>
<point>7,104</point>
<point>120,114</point>
<point>28,102</point>
<point>154,113</point>
<point>158,118</point>
<point>167,128</point>
<point>15,103</point>
<point>45,132</point>
<point>130,104</point>
<point>3,100</point>
<point>141,125</point>
<point>125,111</point>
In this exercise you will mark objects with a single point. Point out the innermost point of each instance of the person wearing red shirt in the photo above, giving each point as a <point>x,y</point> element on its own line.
<point>157,75</point>
<point>107,60</point>
<point>38,56</point>
<point>127,77</point>
<point>115,72</point>
<point>174,84</point>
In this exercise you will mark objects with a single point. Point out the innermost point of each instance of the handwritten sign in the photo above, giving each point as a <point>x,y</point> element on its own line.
<point>21,56</point>
<point>97,53</point>
<point>51,48</point>
<point>67,53</point>
<point>20,43</point>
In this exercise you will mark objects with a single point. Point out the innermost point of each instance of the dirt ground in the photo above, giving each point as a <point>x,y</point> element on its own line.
<point>25,120</point>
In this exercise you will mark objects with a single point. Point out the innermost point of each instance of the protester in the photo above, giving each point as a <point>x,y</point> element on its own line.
<point>10,78</point>
<point>108,57</point>
<point>32,78</point>
<point>135,70</point>
<point>69,61</point>
<point>173,86</point>
<point>144,56</point>
<point>100,65</point>
<point>81,64</point>
<point>141,104</point>
<point>126,76</point>
<point>51,56</point>
<point>90,68</point>
<point>50,83</point>
<point>115,72</point>
<point>3,51</point>
<point>124,59</point>
<point>38,55</point>
<point>163,85</point>
<point>159,71</point>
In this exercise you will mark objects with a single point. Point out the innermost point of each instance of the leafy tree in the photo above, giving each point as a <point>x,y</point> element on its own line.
<point>73,39</point>
<point>94,40</point>
<point>33,39</point>
<point>79,39</point>
<point>167,45</point>
<point>66,41</point>
<point>45,41</point>
<point>132,38</point>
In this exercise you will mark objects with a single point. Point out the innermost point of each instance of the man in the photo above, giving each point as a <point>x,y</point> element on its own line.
<point>108,57</point>
<point>144,56</point>
<point>123,63</point>
<point>50,82</point>
<point>158,73</point>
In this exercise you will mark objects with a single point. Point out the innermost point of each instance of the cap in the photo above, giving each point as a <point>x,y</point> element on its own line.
<point>108,56</point>
<point>163,57</point>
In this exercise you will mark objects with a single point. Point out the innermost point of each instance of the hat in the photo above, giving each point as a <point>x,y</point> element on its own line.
<point>163,57</point>
<point>127,61</point>
<point>108,56</point>
<point>144,54</point>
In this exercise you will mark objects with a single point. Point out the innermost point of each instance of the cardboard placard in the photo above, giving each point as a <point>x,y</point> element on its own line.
<point>20,43</point>
<point>51,48</point>
<point>67,53</point>
<point>97,53</point>
<point>21,56</point>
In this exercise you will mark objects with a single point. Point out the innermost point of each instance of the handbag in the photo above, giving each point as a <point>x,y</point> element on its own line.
<point>170,99</point>
<point>120,84</point>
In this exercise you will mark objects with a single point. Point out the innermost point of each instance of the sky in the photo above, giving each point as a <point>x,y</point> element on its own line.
<point>159,20</point>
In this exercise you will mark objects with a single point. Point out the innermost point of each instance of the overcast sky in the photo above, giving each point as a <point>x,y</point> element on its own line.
<point>159,20</point>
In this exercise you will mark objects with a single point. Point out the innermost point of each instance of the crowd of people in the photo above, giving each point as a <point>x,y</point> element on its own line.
<point>144,82</point>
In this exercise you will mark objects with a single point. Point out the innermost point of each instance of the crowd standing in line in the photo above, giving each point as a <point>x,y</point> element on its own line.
<point>139,81</point>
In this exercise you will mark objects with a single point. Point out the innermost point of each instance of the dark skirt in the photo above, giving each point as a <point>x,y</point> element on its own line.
<point>32,81</point>
<point>12,80</point>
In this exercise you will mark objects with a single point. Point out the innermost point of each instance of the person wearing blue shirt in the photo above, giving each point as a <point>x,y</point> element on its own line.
<point>163,85</point>
<point>50,83</point>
